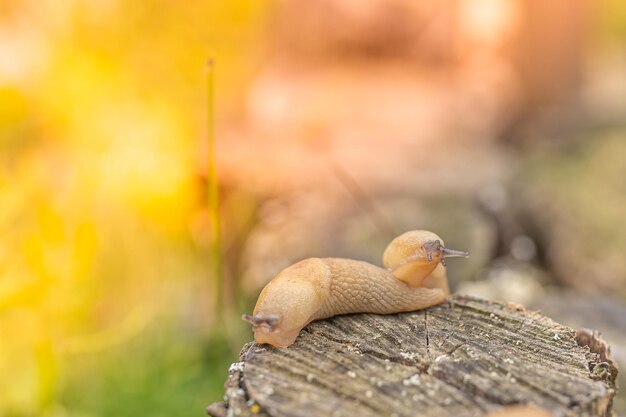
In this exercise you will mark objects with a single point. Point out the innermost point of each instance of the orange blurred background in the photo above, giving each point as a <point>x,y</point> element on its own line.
<point>499,124</point>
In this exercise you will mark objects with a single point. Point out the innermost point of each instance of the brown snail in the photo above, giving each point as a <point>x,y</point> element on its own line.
<point>414,278</point>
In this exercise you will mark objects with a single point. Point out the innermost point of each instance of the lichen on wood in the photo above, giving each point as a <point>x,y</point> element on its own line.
<point>465,357</point>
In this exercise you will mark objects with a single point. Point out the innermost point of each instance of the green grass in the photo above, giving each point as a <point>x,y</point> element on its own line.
<point>164,373</point>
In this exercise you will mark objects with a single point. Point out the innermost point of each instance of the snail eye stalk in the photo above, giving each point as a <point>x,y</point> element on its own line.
<point>451,253</point>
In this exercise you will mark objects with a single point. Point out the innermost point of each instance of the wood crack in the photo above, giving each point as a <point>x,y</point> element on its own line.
<point>370,365</point>
<point>426,331</point>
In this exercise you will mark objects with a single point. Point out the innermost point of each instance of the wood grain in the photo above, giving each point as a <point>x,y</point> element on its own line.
<point>466,357</point>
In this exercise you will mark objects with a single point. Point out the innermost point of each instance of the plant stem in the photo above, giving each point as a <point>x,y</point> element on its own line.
<point>215,255</point>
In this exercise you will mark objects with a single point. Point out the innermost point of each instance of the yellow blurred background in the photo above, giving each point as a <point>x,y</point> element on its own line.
<point>105,290</point>
<point>338,124</point>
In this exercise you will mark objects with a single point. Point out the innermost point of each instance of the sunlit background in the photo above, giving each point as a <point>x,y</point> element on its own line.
<point>498,124</point>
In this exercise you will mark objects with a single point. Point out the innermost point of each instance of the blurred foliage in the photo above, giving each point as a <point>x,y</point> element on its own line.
<point>576,194</point>
<point>105,295</point>
<point>168,372</point>
<point>611,21</point>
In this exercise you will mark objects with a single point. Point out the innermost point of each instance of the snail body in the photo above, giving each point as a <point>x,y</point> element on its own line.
<point>318,288</point>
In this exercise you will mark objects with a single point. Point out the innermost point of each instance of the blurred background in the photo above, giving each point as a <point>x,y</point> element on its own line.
<point>131,243</point>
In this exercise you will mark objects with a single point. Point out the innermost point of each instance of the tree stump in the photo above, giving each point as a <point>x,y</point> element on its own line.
<point>465,357</point>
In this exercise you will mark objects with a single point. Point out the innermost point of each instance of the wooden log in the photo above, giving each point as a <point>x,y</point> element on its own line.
<point>466,357</point>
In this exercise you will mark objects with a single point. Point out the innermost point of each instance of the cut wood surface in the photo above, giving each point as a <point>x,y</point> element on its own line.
<point>465,357</point>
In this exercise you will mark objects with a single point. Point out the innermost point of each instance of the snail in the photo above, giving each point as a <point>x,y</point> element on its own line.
<point>414,278</point>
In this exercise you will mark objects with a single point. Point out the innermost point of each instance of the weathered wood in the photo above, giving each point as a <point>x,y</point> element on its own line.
<point>466,357</point>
